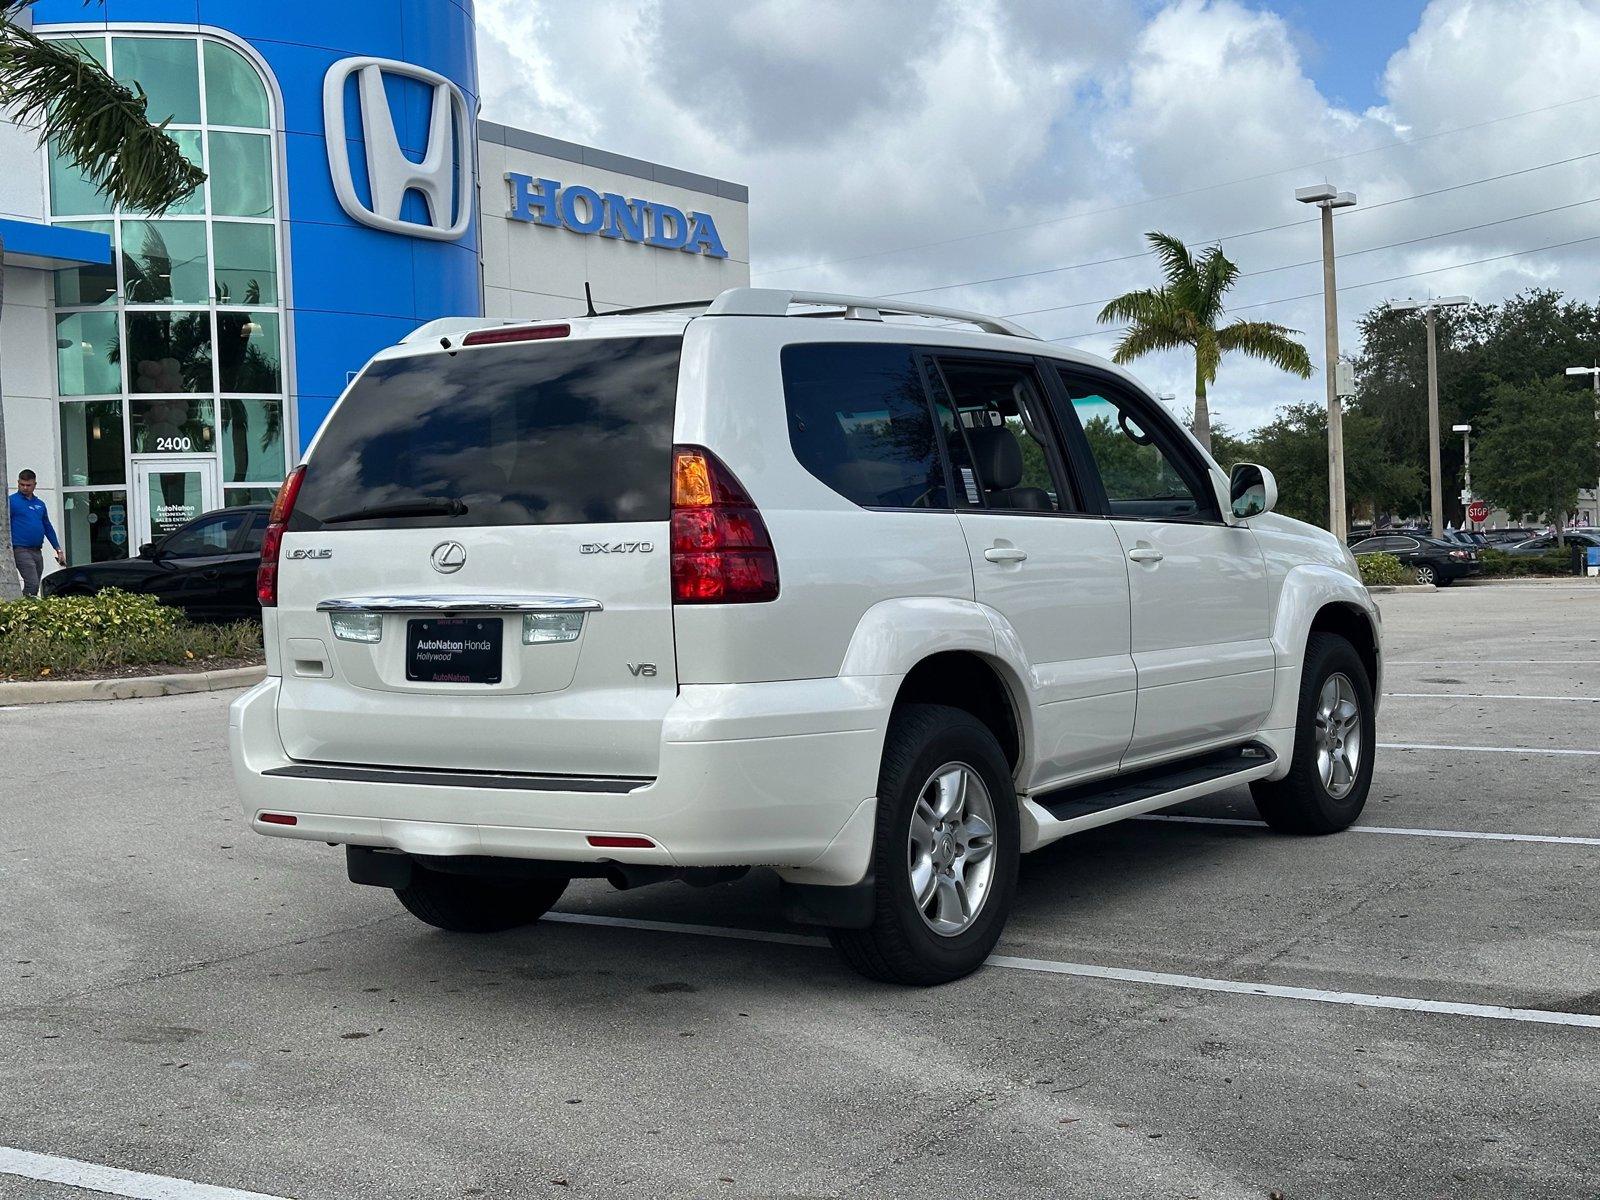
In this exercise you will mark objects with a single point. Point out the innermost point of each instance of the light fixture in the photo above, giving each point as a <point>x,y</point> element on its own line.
<point>357,627</point>
<point>541,628</point>
<point>94,429</point>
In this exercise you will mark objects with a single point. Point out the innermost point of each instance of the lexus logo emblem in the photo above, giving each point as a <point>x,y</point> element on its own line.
<point>448,557</point>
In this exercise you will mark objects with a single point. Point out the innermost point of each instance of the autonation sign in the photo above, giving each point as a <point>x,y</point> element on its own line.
<point>584,210</point>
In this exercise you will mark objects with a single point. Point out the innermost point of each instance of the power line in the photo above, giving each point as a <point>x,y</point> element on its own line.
<point>1092,212</point>
<point>1350,287</point>
<point>1234,237</point>
<point>1317,262</point>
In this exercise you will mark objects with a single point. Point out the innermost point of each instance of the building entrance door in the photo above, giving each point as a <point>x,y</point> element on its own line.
<point>169,492</point>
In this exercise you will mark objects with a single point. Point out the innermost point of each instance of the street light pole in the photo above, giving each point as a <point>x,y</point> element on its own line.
<point>1327,197</point>
<point>1429,308</point>
<point>1594,374</point>
<point>1466,462</point>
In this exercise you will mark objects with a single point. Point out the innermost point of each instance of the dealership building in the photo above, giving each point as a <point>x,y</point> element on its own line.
<point>152,369</point>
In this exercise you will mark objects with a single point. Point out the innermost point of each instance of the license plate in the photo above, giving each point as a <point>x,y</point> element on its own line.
<point>454,650</point>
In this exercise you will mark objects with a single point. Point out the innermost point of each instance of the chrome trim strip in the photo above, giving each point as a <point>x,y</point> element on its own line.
<point>458,603</point>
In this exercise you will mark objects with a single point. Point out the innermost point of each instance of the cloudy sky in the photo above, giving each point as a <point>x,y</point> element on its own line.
<point>918,147</point>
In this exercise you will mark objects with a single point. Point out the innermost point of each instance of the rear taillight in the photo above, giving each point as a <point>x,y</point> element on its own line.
<point>721,551</point>
<point>272,540</point>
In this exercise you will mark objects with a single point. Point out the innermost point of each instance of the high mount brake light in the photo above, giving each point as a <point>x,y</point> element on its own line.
<point>516,333</point>
<point>721,551</point>
<point>272,540</point>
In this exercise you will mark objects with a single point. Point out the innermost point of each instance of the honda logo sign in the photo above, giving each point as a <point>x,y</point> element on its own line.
<point>443,177</point>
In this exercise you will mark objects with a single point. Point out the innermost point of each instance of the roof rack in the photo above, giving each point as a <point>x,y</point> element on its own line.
<point>775,302</point>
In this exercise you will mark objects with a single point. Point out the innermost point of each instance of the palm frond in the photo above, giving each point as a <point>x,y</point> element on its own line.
<point>1217,273</point>
<point>1176,262</point>
<point>97,122</point>
<point>1143,306</point>
<point>1147,339</point>
<point>1273,343</point>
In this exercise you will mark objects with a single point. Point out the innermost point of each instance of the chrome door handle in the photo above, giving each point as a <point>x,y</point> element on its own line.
<point>1005,554</point>
<point>1147,554</point>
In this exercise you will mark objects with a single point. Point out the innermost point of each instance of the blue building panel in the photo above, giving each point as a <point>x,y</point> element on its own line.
<point>353,289</point>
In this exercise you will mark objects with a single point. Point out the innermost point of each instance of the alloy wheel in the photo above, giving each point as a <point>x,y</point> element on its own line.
<point>1339,735</point>
<point>951,849</point>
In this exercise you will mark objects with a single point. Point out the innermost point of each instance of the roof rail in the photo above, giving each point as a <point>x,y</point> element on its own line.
<point>775,302</point>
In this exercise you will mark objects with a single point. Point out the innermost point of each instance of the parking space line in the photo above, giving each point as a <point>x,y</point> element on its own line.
<point>1467,834</point>
<point>1495,1012</point>
<point>113,1181</point>
<point>1473,662</point>
<point>1487,749</point>
<point>1485,696</point>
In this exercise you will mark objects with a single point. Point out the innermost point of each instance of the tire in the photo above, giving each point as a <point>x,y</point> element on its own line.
<point>927,748</point>
<point>474,904</point>
<point>1302,801</point>
<point>1426,574</point>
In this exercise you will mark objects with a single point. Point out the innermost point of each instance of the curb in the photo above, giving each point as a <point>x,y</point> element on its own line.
<point>1382,588</point>
<point>130,688</point>
<point>1534,580</point>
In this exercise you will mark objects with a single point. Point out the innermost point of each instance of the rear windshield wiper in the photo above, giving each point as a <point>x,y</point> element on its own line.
<point>402,508</point>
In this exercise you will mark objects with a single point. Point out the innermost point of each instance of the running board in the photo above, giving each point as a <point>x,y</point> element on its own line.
<point>1072,809</point>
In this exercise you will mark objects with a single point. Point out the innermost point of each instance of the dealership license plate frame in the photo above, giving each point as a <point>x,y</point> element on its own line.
<point>482,665</point>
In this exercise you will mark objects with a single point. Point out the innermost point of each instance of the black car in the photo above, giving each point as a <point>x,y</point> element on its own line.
<point>1547,542</point>
<point>207,567</point>
<point>1432,560</point>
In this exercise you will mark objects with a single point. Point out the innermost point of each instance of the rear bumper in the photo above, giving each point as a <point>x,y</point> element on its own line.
<point>772,774</point>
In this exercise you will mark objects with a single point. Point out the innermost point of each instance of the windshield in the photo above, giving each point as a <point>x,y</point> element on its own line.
<point>543,433</point>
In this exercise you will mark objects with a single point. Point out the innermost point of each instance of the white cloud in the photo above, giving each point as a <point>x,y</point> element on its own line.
<point>866,127</point>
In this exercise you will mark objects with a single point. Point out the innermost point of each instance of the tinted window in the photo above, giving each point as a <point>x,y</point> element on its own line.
<point>252,537</point>
<point>859,421</point>
<point>1139,468</point>
<point>540,433</point>
<point>212,535</point>
<point>1000,416</point>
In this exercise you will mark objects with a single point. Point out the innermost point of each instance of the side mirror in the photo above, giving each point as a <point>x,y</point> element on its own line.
<point>1251,491</point>
<point>148,550</point>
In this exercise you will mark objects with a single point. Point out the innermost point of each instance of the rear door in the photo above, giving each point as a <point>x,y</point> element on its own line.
<point>1052,571</point>
<point>476,574</point>
<point>1201,626</point>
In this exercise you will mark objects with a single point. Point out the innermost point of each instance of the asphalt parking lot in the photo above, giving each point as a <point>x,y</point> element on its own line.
<point>182,998</point>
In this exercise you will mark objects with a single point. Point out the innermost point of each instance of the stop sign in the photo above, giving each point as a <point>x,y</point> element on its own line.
<point>1477,512</point>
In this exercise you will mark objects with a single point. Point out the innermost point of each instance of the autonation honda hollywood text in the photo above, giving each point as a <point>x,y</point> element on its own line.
<point>355,192</point>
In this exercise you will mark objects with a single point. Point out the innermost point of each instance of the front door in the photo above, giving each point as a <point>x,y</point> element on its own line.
<point>170,492</point>
<point>1201,627</point>
<point>1054,573</point>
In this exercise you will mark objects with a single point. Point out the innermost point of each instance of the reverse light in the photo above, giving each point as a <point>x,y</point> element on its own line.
<point>541,628</point>
<point>357,627</point>
<point>272,540</point>
<point>515,333</point>
<point>721,551</point>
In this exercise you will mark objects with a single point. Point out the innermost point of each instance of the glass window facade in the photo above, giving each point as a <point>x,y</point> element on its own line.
<point>176,347</point>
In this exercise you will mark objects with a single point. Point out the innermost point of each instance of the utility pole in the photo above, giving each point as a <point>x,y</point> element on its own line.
<point>1327,197</point>
<point>1428,309</point>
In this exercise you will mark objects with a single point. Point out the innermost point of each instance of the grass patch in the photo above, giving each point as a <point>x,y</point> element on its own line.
<point>115,633</point>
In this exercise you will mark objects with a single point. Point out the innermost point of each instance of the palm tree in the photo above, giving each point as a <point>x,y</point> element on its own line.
<point>1184,312</point>
<point>102,126</point>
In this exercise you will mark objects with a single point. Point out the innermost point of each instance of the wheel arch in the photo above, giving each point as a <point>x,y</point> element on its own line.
<point>1318,598</point>
<point>976,684</point>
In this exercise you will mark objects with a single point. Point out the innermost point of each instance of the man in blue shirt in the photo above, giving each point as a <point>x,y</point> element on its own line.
<point>30,526</point>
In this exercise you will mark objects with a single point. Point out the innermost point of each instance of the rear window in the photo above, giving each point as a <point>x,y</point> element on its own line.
<point>859,421</point>
<point>546,433</point>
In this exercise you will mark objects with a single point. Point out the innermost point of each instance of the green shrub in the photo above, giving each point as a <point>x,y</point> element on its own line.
<point>1551,562</point>
<point>66,635</point>
<point>80,619</point>
<point>1382,570</point>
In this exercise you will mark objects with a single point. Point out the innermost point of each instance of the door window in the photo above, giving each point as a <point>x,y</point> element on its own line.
<point>1143,472</point>
<point>212,536</point>
<point>995,410</point>
<point>859,421</point>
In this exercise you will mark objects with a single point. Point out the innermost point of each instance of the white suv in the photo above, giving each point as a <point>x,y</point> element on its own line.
<point>880,604</point>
